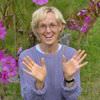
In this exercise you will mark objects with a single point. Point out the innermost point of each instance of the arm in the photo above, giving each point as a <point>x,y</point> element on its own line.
<point>71,91</point>
<point>28,86</point>
<point>71,68</point>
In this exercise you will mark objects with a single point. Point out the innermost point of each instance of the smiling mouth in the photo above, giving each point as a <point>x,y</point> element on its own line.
<point>49,36</point>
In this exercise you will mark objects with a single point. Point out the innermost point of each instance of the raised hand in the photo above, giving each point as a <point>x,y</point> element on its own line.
<point>38,72</point>
<point>71,66</point>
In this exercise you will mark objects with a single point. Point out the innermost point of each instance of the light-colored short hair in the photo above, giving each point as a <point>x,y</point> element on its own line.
<point>41,13</point>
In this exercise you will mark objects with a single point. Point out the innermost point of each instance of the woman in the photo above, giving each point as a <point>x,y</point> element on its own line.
<point>50,70</point>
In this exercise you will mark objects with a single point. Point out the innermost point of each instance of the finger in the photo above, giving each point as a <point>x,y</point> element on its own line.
<point>84,56</point>
<point>27,72</point>
<point>81,65</point>
<point>80,54</point>
<point>28,66</point>
<point>64,59</point>
<point>43,62</point>
<point>76,54</point>
<point>27,62</point>
<point>30,60</point>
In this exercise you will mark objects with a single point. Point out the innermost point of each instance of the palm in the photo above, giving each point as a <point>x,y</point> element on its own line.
<point>71,66</point>
<point>38,72</point>
<point>71,69</point>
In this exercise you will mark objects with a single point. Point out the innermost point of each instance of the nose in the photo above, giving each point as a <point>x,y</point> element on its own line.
<point>48,29</point>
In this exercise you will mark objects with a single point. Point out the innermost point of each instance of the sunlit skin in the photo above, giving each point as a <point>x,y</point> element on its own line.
<point>49,36</point>
<point>49,43</point>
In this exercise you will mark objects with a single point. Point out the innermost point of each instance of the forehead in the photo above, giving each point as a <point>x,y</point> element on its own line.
<point>48,18</point>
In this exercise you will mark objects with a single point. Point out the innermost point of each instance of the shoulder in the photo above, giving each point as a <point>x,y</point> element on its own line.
<point>69,51</point>
<point>26,52</point>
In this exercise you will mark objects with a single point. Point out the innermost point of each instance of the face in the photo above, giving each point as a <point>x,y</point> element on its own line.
<point>49,29</point>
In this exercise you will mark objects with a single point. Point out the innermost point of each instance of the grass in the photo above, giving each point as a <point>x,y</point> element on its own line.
<point>90,75</point>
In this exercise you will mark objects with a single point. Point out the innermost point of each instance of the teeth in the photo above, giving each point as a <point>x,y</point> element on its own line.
<point>49,36</point>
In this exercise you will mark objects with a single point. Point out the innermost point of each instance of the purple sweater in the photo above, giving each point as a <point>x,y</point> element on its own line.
<point>54,88</point>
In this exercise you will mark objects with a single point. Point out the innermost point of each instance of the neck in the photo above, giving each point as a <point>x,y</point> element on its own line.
<point>49,48</point>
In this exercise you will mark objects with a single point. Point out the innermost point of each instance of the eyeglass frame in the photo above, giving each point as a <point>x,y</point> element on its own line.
<point>52,27</point>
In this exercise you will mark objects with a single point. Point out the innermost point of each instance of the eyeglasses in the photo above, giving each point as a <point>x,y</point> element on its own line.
<point>52,26</point>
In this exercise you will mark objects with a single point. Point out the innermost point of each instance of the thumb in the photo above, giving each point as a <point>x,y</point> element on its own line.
<point>43,62</point>
<point>64,59</point>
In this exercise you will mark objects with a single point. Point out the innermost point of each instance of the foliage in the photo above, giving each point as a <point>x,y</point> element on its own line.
<point>84,20</point>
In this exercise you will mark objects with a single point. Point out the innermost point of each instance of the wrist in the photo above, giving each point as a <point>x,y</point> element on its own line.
<point>68,77</point>
<point>69,83</point>
<point>39,84</point>
<point>69,80</point>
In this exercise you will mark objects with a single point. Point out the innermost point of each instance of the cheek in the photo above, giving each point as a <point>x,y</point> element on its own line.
<point>41,37</point>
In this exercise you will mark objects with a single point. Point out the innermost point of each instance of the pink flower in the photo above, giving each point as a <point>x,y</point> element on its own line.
<point>2,31</point>
<point>1,54</point>
<point>8,68</point>
<point>9,61</point>
<point>87,19</point>
<point>92,3</point>
<point>98,4</point>
<point>0,75</point>
<point>73,24</point>
<point>84,28</point>
<point>82,12</point>
<point>4,77</point>
<point>40,2</point>
<point>12,73</point>
<point>92,6</point>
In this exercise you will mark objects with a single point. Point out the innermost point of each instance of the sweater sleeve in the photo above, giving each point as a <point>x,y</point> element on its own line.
<point>28,90</point>
<point>72,93</point>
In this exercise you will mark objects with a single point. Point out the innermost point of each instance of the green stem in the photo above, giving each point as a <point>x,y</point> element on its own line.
<point>3,43</point>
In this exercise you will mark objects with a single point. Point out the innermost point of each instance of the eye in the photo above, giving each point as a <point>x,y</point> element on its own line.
<point>52,25</point>
<point>42,26</point>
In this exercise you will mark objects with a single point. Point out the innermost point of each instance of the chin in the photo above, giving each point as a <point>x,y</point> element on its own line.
<point>50,42</point>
